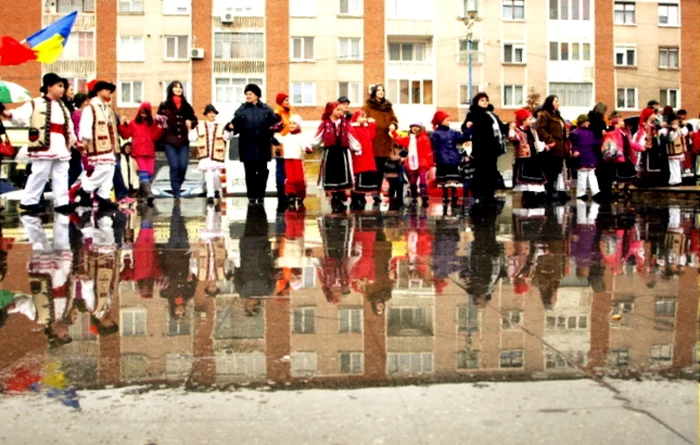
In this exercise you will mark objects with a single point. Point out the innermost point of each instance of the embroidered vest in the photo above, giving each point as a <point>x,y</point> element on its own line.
<point>105,138</point>
<point>41,121</point>
<point>523,149</point>
<point>218,249</point>
<point>206,148</point>
<point>678,146</point>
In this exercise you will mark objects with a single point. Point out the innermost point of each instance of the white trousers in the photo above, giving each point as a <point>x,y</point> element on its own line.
<point>102,180</point>
<point>587,177</point>
<point>37,235</point>
<point>212,180</point>
<point>42,169</point>
<point>584,217</point>
<point>674,165</point>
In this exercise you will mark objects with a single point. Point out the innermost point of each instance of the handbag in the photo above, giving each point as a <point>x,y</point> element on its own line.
<point>6,148</point>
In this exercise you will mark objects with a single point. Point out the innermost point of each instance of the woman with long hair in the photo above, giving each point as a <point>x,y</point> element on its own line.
<point>551,129</point>
<point>180,118</point>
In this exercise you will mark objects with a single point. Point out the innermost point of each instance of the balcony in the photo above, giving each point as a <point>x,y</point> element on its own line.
<point>240,23</point>
<point>409,27</point>
<point>84,22</point>
<point>477,58</point>
<point>84,68</point>
<point>403,69</point>
<point>243,66</point>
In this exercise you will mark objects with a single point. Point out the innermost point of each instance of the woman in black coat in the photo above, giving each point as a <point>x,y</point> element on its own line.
<point>488,135</point>
<point>253,122</point>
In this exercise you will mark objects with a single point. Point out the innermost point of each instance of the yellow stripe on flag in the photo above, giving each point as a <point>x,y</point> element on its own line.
<point>49,50</point>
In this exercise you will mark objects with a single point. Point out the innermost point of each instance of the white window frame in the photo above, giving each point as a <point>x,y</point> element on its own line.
<point>678,14</point>
<point>513,90</point>
<point>132,53</point>
<point>130,9</point>
<point>305,313</point>
<point>511,319</point>
<point>514,353</point>
<point>513,4</point>
<point>464,93</point>
<point>60,9</point>
<point>625,105</point>
<point>355,360</point>
<point>624,50</point>
<point>581,52</point>
<point>466,5</point>
<point>668,50</point>
<point>617,354</point>
<point>406,9</point>
<point>394,90</point>
<point>308,361</point>
<point>352,12</point>
<point>415,48</point>
<point>471,359</point>
<point>348,42</point>
<point>132,103</point>
<point>665,303</point>
<point>236,92</point>
<point>346,312</point>
<point>354,92</point>
<point>625,5</point>
<point>667,92</point>
<point>303,42</point>
<point>240,8</point>
<point>232,36</point>
<point>186,86</point>
<point>131,312</point>
<point>177,7</point>
<point>570,7</point>
<point>514,46</point>
<point>661,353</point>
<point>177,40</point>
<point>425,359</point>
<point>563,95</point>
<point>302,8</point>
<point>463,57</point>
<point>72,49</point>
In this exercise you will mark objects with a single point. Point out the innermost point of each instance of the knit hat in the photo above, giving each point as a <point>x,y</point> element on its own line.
<point>296,119</point>
<point>644,115</point>
<point>330,108</point>
<point>581,119</point>
<point>210,109</point>
<point>280,97</point>
<point>49,80</point>
<point>253,89</point>
<point>522,115</point>
<point>417,124</point>
<point>438,118</point>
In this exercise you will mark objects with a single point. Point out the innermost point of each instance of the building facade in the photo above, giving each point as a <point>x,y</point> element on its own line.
<point>622,53</point>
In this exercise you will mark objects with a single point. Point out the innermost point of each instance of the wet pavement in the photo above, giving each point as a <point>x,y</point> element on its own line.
<point>220,298</point>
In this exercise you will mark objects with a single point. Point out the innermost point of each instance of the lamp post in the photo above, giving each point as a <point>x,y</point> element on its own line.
<point>469,20</point>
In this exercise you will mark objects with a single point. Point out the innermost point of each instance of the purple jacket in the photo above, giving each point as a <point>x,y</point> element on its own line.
<point>582,249</point>
<point>585,143</point>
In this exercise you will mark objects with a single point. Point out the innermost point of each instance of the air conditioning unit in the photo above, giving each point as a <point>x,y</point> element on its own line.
<point>197,53</point>
<point>227,18</point>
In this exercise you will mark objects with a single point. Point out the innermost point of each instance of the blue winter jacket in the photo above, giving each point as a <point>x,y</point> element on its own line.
<point>446,145</point>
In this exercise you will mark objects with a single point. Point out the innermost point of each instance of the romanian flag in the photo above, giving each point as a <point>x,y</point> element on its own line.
<point>48,43</point>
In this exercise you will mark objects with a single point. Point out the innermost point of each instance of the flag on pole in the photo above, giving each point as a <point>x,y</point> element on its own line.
<point>14,53</point>
<point>48,43</point>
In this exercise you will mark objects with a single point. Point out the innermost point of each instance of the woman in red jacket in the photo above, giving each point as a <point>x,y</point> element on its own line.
<point>144,131</point>
<point>363,165</point>
<point>419,160</point>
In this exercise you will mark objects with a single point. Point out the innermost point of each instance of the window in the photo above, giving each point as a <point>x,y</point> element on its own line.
<point>465,99</point>
<point>304,320</point>
<point>239,45</point>
<point>185,87</point>
<point>245,8</point>
<point>468,5</point>
<point>250,365</point>
<point>130,93</point>
<point>467,360</point>
<point>131,49</point>
<point>351,363</point>
<point>304,364</point>
<point>349,49</point>
<point>513,53</point>
<point>302,48</point>
<point>574,51</point>
<point>464,51</point>
<point>564,360</point>
<point>410,363</point>
<point>625,13</point>
<point>662,353</point>
<point>512,359</point>
<point>408,321</point>
<point>668,58</point>
<point>80,45</point>
<point>303,93</point>
<point>130,6</point>
<point>302,8</point>
<point>350,321</point>
<point>627,98</point>
<point>68,6</point>
<point>134,367</point>
<point>177,48</point>
<point>411,92</point>
<point>569,9</point>
<point>625,56</point>
<point>180,326</point>
<point>511,319</point>
<point>133,322</point>
<point>572,322</point>
<point>351,90</point>
<point>177,7</point>
<point>513,10</point>
<point>668,14</point>
<point>79,85</point>
<point>467,318</point>
<point>620,357</point>
<point>666,306</point>
<point>669,97</point>
<point>406,9</point>
<point>351,7</point>
<point>407,52</point>
<point>573,94</point>
<point>513,95</point>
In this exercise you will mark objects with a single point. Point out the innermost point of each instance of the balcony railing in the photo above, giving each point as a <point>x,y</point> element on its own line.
<point>228,66</point>
<point>73,68</point>
<point>477,58</point>
<point>242,22</point>
<point>84,22</point>
<point>409,27</point>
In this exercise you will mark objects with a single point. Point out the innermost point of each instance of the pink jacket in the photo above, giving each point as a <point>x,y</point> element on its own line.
<point>620,135</point>
<point>143,136</point>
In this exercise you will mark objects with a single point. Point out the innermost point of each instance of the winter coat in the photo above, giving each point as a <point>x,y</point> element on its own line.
<point>364,162</point>
<point>177,132</point>
<point>252,123</point>
<point>423,146</point>
<point>129,170</point>
<point>486,146</point>
<point>598,125</point>
<point>295,145</point>
<point>552,128</point>
<point>383,113</point>
<point>585,143</point>
<point>143,136</point>
<point>625,142</point>
<point>446,144</point>
<point>146,263</point>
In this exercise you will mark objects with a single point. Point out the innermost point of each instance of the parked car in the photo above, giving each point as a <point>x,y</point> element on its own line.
<point>193,186</point>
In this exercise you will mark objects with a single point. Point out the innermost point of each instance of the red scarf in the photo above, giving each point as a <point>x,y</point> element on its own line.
<point>295,131</point>
<point>177,100</point>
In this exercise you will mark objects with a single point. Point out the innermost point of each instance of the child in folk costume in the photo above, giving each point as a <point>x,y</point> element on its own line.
<point>210,139</point>
<point>674,137</point>
<point>619,148</point>
<point>445,142</point>
<point>99,141</point>
<point>419,160</point>
<point>129,168</point>
<point>296,145</point>
<point>367,181</point>
<point>528,174</point>
<point>292,254</point>
<point>337,139</point>
<point>647,137</point>
<point>208,264</point>
<point>51,134</point>
<point>584,146</point>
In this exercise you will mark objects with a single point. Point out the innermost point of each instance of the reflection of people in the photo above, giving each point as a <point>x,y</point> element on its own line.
<point>378,291</point>
<point>147,271</point>
<point>487,256</point>
<point>209,261</point>
<point>292,255</point>
<point>334,267</point>
<point>255,276</point>
<point>177,285</point>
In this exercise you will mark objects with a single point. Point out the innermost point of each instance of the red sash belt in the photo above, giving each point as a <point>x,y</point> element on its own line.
<point>57,128</point>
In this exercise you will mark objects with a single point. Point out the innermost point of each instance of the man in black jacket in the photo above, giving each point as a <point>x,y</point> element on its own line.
<point>253,122</point>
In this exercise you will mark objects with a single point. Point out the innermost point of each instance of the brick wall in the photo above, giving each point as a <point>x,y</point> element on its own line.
<point>106,41</point>
<point>277,49</point>
<point>374,43</point>
<point>202,34</point>
<point>20,23</point>
<point>604,47</point>
<point>690,56</point>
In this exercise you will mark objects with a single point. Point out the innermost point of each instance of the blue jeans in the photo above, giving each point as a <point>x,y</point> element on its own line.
<point>178,159</point>
<point>144,176</point>
<point>280,176</point>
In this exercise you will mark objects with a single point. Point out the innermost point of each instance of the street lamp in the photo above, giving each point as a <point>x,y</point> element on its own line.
<point>469,20</point>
